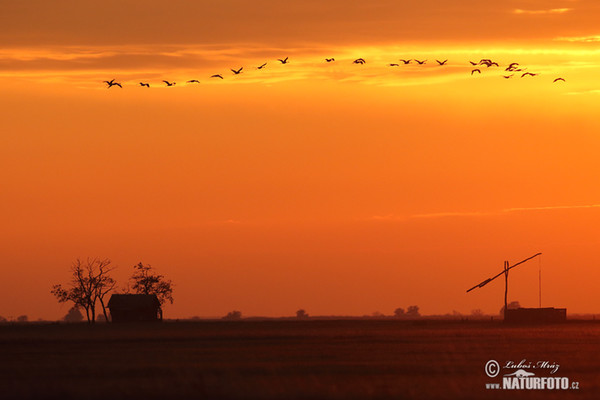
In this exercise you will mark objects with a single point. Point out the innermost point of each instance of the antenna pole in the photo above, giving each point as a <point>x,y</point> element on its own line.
<point>540,281</point>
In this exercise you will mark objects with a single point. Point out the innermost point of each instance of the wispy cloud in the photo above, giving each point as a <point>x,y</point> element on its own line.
<point>467,214</point>
<point>592,91</point>
<point>450,214</point>
<point>541,12</point>
<point>580,39</point>
<point>549,208</point>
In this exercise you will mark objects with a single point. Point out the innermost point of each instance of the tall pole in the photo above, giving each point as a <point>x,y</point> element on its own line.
<point>540,279</point>
<point>505,288</point>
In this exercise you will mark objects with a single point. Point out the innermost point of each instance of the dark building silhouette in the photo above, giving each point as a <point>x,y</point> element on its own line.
<point>134,308</point>
<point>535,315</point>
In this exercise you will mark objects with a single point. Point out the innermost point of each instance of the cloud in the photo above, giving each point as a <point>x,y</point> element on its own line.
<point>539,12</point>
<point>450,214</point>
<point>549,208</point>
<point>470,214</point>
<point>580,39</point>
<point>592,91</point>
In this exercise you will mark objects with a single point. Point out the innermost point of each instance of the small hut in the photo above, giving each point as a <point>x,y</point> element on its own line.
<point>134,308</point>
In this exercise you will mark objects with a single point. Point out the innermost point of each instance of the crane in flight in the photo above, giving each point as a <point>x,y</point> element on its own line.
<point>112,83</point>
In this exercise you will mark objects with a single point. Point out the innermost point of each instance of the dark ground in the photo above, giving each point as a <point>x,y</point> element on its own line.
<point>327,359</point>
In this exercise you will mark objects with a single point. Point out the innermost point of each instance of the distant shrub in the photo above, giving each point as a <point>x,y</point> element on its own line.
<point>233,315</point>
<point>511,306</point>
<point>22,318</point>
<point>413,311</point>
<point>74,315</point>
<point>301,314</point>
<point>399,312</point>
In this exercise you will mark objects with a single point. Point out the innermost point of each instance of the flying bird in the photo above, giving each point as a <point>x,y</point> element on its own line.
<point>284,61</point>
<point>359,61</point>
<point>330,59</point>
<point>511,67</point>
<point>475,70</point>
<point>169,83</point>
<point>261,66</point>
<point>558,79</point>
<point>193,81</point>
<point>406,61</point>
<point>237,72</point>
<point>112,83</point>
<point>420,62</point>
<point>442,62</point>
<point>507,76</point>
<point>488,63</point>
<point>393,65</point>
<point>144,84</point>
<point>528,73</point>
<point>217,76</point>
<point>473,63</point>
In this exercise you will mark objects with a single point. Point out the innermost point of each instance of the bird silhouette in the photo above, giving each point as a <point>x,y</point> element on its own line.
<point>507,76</point>
<point>528,73</point>
<point>193,81</point>
<point>442,62</point>
<point>406,61</point>
<point>512,66</point>
<point>558,79</point>
<point>420,62</point>
<point>488,63</point>
<point>144,84</point>
<point>237,72</point>
<point>261,66</point>
<point>473,63</point>
<point>359,61</point>
<point>330,59</point>
<point>169,83</point>
<point>393,65</point>
<point>475,70</point>
<point>217,76</point>
<point>112,83</point>
<point>284,61</point>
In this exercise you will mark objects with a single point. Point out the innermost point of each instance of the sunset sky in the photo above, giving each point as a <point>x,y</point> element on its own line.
<point>338,188</point>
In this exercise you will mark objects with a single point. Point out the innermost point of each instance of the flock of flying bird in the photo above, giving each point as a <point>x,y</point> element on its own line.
<point>512,68</point>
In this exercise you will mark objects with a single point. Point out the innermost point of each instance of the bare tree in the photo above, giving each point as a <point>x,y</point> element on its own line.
<point>146,281</point>
<point>90,282</point>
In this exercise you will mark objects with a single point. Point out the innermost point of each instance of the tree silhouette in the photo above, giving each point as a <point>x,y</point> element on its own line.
<point>413,311</point>
<point>399,312</point>
<point>90,282</point>
<point>146,281</point>
<point>511,306</point>
<point>22,318</point>
<point>301,314</point>
<point>74,315</point>
<point>233,315</point>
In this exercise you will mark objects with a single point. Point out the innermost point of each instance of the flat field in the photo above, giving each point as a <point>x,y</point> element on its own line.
<point>281,359</point>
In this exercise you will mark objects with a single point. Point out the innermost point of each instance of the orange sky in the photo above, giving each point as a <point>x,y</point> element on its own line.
<point>334,187</point>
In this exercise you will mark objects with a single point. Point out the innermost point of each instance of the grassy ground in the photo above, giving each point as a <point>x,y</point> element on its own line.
<point>288,360</point>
